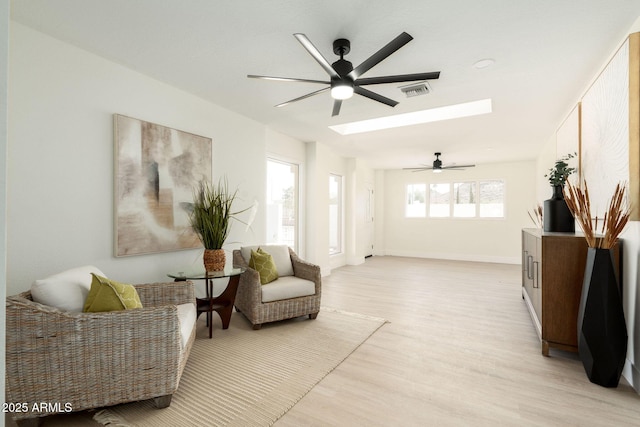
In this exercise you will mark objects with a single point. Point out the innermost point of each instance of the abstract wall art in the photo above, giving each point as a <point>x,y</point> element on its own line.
<point>605,131</point>
<point>156,170</point>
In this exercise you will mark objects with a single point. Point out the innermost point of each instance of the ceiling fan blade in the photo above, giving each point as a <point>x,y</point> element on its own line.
<point>399,78</point>
<point>458,166</point>
<point>313,51</point>
<point>424,168</point>
<point>337,103</point>
<point>303,97</point>
<point>286,79</point>
<point>376,97</point>
<point>380,55</point>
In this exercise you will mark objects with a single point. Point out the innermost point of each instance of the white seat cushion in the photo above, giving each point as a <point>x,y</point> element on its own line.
<point>66,290</point>
<point>280,254</point>
<point>287,287</point>
<point>187,316</point>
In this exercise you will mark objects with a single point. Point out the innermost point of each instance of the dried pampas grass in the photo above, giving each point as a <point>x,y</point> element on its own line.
<point>615,219</point>
<point>536,217</point>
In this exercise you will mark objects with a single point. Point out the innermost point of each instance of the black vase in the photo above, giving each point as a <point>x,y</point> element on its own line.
<point>602,331</point>
<point>557,216</point>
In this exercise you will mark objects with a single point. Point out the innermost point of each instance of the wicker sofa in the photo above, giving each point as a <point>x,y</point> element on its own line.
<point>90,360</point>
<point>250,297</point>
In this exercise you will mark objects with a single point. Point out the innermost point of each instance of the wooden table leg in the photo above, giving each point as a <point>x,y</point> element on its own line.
<point>226,301</point>
<point>222,304</point>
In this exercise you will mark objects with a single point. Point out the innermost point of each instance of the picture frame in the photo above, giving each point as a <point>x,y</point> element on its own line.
<point>605,142</point>
<point>156,171</point>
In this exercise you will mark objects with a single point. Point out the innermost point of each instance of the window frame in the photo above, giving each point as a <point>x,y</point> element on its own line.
<point>504,200</point>
<point>406,200</point>
<point>296,194</point>
<point>448,216</point>
<point>476,209</point>
<point>451,210</point>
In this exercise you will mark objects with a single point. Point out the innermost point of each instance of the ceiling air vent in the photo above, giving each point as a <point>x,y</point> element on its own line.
<point>416,89</point>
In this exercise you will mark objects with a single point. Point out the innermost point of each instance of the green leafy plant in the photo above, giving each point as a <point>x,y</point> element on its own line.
<point>560,172</point>
<point>211,212</point>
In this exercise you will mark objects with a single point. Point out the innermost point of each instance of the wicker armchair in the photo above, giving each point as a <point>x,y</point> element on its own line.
<point>92,360</point>
<point>249,296</point>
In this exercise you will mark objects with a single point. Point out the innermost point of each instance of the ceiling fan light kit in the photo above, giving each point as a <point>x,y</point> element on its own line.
<point>346,80</point>
<point>341,90</point>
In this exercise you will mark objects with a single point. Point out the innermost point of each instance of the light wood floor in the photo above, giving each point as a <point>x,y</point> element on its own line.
<point>459,350</point>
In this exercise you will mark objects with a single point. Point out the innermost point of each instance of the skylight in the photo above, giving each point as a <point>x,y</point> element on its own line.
<point>466,109</point>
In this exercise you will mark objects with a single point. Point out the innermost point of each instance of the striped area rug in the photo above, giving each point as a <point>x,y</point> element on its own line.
<point>243,377</point>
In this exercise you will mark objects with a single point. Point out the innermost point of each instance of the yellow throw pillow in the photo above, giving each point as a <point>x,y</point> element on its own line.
<point>263,263</point>
<point>109,295</point>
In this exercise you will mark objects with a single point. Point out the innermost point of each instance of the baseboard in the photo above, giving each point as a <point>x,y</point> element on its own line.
<point>355,260</point>
<point>632,375</point>
<point>457,257</point>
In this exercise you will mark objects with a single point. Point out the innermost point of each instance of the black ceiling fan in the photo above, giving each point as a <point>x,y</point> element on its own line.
<point>346,80</point>
<point>437,166</point>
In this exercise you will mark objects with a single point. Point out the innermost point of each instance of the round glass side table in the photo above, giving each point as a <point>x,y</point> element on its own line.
<point>223,303</point>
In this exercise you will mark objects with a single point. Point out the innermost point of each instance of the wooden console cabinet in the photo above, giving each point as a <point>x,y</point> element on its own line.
<point>552,274</point>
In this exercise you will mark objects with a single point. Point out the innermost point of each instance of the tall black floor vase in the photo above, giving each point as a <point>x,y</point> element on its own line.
<point>602,331</point>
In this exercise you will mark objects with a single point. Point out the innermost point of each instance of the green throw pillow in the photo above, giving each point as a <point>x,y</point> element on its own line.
<point>109,295</point>
<point>262,262</point>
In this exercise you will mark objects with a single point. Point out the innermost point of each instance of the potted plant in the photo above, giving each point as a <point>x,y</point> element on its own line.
<point>556,215</point>
<point>559,174</point>
<point>210,217</point>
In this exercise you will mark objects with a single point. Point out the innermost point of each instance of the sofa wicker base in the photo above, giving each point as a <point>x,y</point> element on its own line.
<point>93,360</point>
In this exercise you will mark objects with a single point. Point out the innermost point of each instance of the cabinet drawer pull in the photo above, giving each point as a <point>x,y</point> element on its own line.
<point>536,274</point>
<point>530,262</point>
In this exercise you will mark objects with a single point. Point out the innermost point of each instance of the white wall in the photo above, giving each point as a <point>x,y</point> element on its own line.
<point>631,248</point>
<point>60,168</point>
<point>474,239</point>
<point>316,162</point>
<point>546,160</point>
<point>4,59</point>
<point>379,242</point>
<point>630,283</point>
<point>320,162</point>
<point>630,294</point>
<point>364,226</point>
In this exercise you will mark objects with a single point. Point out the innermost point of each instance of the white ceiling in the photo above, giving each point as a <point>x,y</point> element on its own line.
<point>546,53</point>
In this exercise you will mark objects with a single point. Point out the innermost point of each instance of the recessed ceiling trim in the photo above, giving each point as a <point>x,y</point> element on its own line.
<point>484,63</point>
<point>455,111</point>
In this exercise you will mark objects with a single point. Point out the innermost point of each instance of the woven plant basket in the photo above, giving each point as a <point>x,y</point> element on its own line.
<point>214,259</point>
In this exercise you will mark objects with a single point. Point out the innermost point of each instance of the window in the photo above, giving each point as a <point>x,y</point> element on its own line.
<point>335,214</point>
<point>492,199</point>
<point>416,206</point>
<point>282,203</point>
<point>439,200</point>
<point>470,199</point>
<point>464,199</point>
